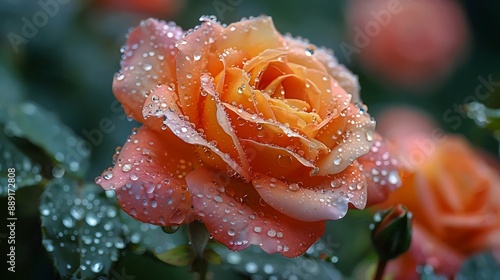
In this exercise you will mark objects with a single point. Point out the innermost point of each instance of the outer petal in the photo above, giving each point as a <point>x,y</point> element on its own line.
<point>148,60</point>
<point>252,36</point>
<point>148,178</point>
<point>191,62</point>
<point>382,171</point>
<point>356,140</point>
<point>325,201</point>
<point>236,216</point>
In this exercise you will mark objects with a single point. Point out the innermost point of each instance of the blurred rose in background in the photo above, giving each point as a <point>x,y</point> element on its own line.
<point>451,190</point>
<point>407,43</point>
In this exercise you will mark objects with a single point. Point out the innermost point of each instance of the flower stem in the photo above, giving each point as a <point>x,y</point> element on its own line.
<point>199,236</point>
<point>380,269</point>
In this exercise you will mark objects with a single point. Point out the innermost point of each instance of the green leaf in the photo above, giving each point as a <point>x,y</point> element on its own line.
<point>178,256</point>
<point>479,267</point>
<point>147,237</point>
<point>212,257</point>
<point>42,128</point>
<point>25,171</point>
<point>81,229</point>
<point>258,264</point>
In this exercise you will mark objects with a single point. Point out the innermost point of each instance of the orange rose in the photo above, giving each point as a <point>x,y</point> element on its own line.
<point>256,134</point>
<point>408,43</point>
<point>452,192</point>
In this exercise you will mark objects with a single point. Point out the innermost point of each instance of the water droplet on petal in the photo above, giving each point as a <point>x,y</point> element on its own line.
<point>107,175</point>
<point>284,160</point>
<point>127,167</point>
<point>393,177</point>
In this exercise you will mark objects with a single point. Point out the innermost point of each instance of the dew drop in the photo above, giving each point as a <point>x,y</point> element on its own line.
<point>107,175</point>
<point>268,268</point>
<point>196,55</point>
<point>294,187</point>
<point>134,177</point>
<point>127,167</point>
<point>96,267</point>
<point>393,177</point>
<point>49,246</point>
<point>217,198</point>
<point>337,160</point>
<point>251,267</point>
<point>284,160</point>
<point>369,135</point>
<point>44,210</point>
<point>77,212</point>
<point>92,219</point>
<point>233,258</point>
<point>68,222</point>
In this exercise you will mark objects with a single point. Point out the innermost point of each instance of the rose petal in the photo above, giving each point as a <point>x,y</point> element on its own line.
<point>163,103</point>
<point>237,90</point>
<point>236,216</point>
<point>381,169</point>
<point>279,161</point>
<point>148,60</point>
<point>148,178</point>
<point>191,62</point>
<point>356,140</point>
<point>327,200</point>
<point>252,127</point>
<point>304,53</point>
<point>217,124</point>
<point>252,36</point>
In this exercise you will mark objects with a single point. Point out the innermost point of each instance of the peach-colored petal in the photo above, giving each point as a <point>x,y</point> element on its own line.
<point>326,201</point>
<point>148,178</point>
<point>381,169</point>
<point>191,63</point>
<point>252,36</point>
<point>162,103</point>
<point>252,127</point>
<point>236,216</point>
<point>218,126</point>
<point>279,161</point>
<point>148,60</point>
<point>356,140</point>
<point>304,53</point>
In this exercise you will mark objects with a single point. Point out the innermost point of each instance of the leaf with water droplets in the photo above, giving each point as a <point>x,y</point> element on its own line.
<point>42,128</point>
<point>26,172</point>
<point>481,266</point>
<point>148,237</point>
<point>259,265</point>
<point>81,229</point>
